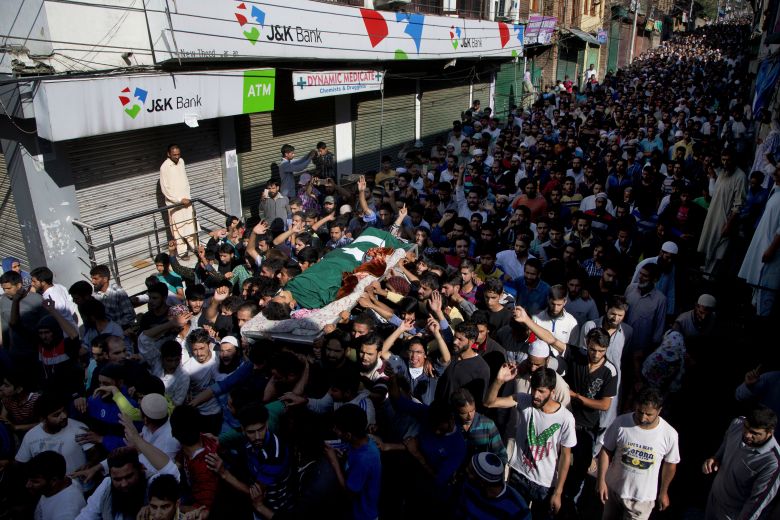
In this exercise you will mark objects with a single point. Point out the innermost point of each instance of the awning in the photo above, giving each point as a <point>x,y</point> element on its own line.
<point>582,35</point>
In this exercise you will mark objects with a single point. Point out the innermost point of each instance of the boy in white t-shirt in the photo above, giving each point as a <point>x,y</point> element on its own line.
<point>60,497</point>
<point>545,436</point>
<point>637,447</point>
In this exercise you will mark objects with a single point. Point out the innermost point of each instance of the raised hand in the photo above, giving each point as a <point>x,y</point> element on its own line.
<point>435,303</point>
<point>402,212</point>
<point>753,376</point>
<point>221,294</point>
<point>507,372</point>
<point>433,325</point>
<point>520,314</point>
<point>261,228</point>
<point>361,184</point>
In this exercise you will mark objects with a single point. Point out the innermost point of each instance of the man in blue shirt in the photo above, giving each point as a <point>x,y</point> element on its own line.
<point>363,469</point>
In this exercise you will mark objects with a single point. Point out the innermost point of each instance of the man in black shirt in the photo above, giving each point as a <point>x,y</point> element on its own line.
<point>466,369</point>
<point>592,386</point>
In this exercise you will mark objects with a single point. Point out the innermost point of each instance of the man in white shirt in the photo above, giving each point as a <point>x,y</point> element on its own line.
<point>43,283</point>
<point>175,188</point>
<point>56,432</point>
<point>545,436</point>
<point>60,497</point>
<point>555,318</point>
<point>123,493</point>
<point>637,448</point>
<point>202,368</point>
<point>512,261</point>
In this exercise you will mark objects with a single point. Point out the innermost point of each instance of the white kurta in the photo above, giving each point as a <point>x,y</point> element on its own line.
<point>727,198</point>
<point>764,276</point>
<point>175,187</point>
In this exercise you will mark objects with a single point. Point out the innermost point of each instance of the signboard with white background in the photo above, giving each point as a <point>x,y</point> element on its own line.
<point>82,107</point>
<point>308,85</point>
<point>205,30</point>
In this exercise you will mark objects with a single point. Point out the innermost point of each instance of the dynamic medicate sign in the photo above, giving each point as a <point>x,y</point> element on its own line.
<point>72,108</point>
<point>302,29</point>
<point>308,85</point>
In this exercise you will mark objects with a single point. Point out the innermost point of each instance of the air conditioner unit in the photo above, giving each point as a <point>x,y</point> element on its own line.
<point>391,5</point>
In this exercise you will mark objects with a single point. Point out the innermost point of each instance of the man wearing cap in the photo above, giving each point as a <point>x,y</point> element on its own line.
<point>289,166</point>
<point>486,492</point>
<point>700,321</point>
<point>667,274</point>
<point>539,356</point>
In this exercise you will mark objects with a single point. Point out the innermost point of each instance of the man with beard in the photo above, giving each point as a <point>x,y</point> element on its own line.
<point>605,287</point>
<point>468,204</point>
<point>723,214</point>
<point>637,448</point>
<point>700,321</point>
<point>332,358</point>
<point>646,310</point>
<point>746,468</point>
<point>55,433</point>
<point>202,369</point>
<point>512,261</point>
<point>555,318</point>
<point>466,369</point>
<point>422,385</point>
<point>619,336</point>
<point>592,386</point>
<point>545,436</point>
<point>667,279</point>
<point>122,495</point>
<point>60,497</point>
<point>583,310</point>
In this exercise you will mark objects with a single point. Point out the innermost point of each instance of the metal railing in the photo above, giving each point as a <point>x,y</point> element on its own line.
<point>151,234</point>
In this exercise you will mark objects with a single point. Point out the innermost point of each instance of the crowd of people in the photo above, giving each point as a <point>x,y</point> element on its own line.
<point>523,359</point>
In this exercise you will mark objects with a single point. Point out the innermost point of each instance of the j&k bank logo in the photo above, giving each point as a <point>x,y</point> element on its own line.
<point>138,100</point>
<point>250,16</point>
<point>244,15</point>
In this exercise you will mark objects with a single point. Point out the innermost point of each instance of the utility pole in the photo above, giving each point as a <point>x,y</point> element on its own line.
<point>633,31</point>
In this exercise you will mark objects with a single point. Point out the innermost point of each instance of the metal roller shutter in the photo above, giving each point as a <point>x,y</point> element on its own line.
<point>567,62</point>
<point>509,81</point>
<point>117,175</point>
<point>10,231</point>
<point>260,137</point>
<point>440,106</point>
<point>379,132</point>
<point>481,91</point>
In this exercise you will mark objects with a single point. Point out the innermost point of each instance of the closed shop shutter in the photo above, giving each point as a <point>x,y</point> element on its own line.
<point>10,231</point>
<point>260,138</point>
<point>439,107</point>
<point>481,91</point>
<point>382,130</point>
<point>509,81</point>
<point>117,175</point>
<point>614,47</point>
<point>567,62</point>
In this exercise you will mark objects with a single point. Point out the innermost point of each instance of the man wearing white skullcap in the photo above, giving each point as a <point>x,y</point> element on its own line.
<point>666,283</point>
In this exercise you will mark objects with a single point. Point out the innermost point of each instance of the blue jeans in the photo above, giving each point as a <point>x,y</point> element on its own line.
<point>534,494</point>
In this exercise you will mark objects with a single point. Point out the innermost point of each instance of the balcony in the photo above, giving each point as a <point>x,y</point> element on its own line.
<point>470,9</point>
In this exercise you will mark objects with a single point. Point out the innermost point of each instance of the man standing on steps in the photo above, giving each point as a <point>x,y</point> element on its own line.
<point>176,190</point>
<point>289,166</point>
